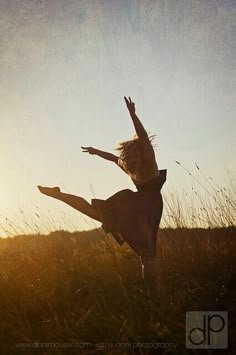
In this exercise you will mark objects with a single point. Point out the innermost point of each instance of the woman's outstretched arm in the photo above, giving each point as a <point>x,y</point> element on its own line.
<point>140,130</point>
<point>100,153</point>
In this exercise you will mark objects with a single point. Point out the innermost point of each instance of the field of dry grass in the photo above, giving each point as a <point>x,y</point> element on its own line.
<point>82,287</point>
<point>81,292</point>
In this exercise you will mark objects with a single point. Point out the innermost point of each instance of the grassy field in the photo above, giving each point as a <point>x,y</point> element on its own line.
<point>81,292</point>
<point>73,288</point>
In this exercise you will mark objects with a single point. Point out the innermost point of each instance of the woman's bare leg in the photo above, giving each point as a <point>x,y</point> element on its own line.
<point>149,274</point>
<point>76,202</point>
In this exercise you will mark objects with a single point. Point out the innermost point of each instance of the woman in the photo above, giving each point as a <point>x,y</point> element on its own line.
<point>133,217</point>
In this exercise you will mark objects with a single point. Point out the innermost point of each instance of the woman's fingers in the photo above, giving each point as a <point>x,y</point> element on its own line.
<point>89,150</point>
<point>129,102</point>
<point>85,149</point>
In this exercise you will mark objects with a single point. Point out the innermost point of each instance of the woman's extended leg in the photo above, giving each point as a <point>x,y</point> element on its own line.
<point>76,202</point>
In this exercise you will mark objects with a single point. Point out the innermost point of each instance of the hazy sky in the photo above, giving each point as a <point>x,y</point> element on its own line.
<point>65,66</point>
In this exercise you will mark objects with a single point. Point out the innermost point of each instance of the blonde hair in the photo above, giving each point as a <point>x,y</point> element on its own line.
<point>131,155</point>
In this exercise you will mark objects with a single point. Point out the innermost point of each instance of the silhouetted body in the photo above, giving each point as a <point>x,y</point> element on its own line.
<point>133,217</point>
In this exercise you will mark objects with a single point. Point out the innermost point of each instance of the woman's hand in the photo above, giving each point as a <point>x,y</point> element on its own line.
<point>130,105</point>
<point>89,150</point>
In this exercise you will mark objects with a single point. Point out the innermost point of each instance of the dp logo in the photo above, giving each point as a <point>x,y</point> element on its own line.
<point>206,330</point>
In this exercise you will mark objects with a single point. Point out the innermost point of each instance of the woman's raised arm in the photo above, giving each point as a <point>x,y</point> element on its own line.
<point>140,130</point>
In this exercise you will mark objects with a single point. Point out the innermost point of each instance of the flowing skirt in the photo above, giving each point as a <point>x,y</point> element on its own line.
<point>133,217</point>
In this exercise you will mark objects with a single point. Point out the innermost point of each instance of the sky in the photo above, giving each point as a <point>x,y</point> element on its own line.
<point>65,66</point>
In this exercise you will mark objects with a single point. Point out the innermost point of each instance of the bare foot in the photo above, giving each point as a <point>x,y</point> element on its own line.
<point>49,191</point>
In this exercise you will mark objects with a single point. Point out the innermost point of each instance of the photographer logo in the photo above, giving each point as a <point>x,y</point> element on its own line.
<point>207,330</point>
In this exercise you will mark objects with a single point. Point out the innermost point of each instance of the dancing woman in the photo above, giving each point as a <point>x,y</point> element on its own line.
<point>131,217</point>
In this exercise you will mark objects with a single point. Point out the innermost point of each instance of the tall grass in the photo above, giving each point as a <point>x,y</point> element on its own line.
<point>205,205</point>
<point>62,287</point>
<point>202,204</point>
<point>83,287</point>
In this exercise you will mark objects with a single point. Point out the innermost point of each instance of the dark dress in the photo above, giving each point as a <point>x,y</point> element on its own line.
<point>134,217</point>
